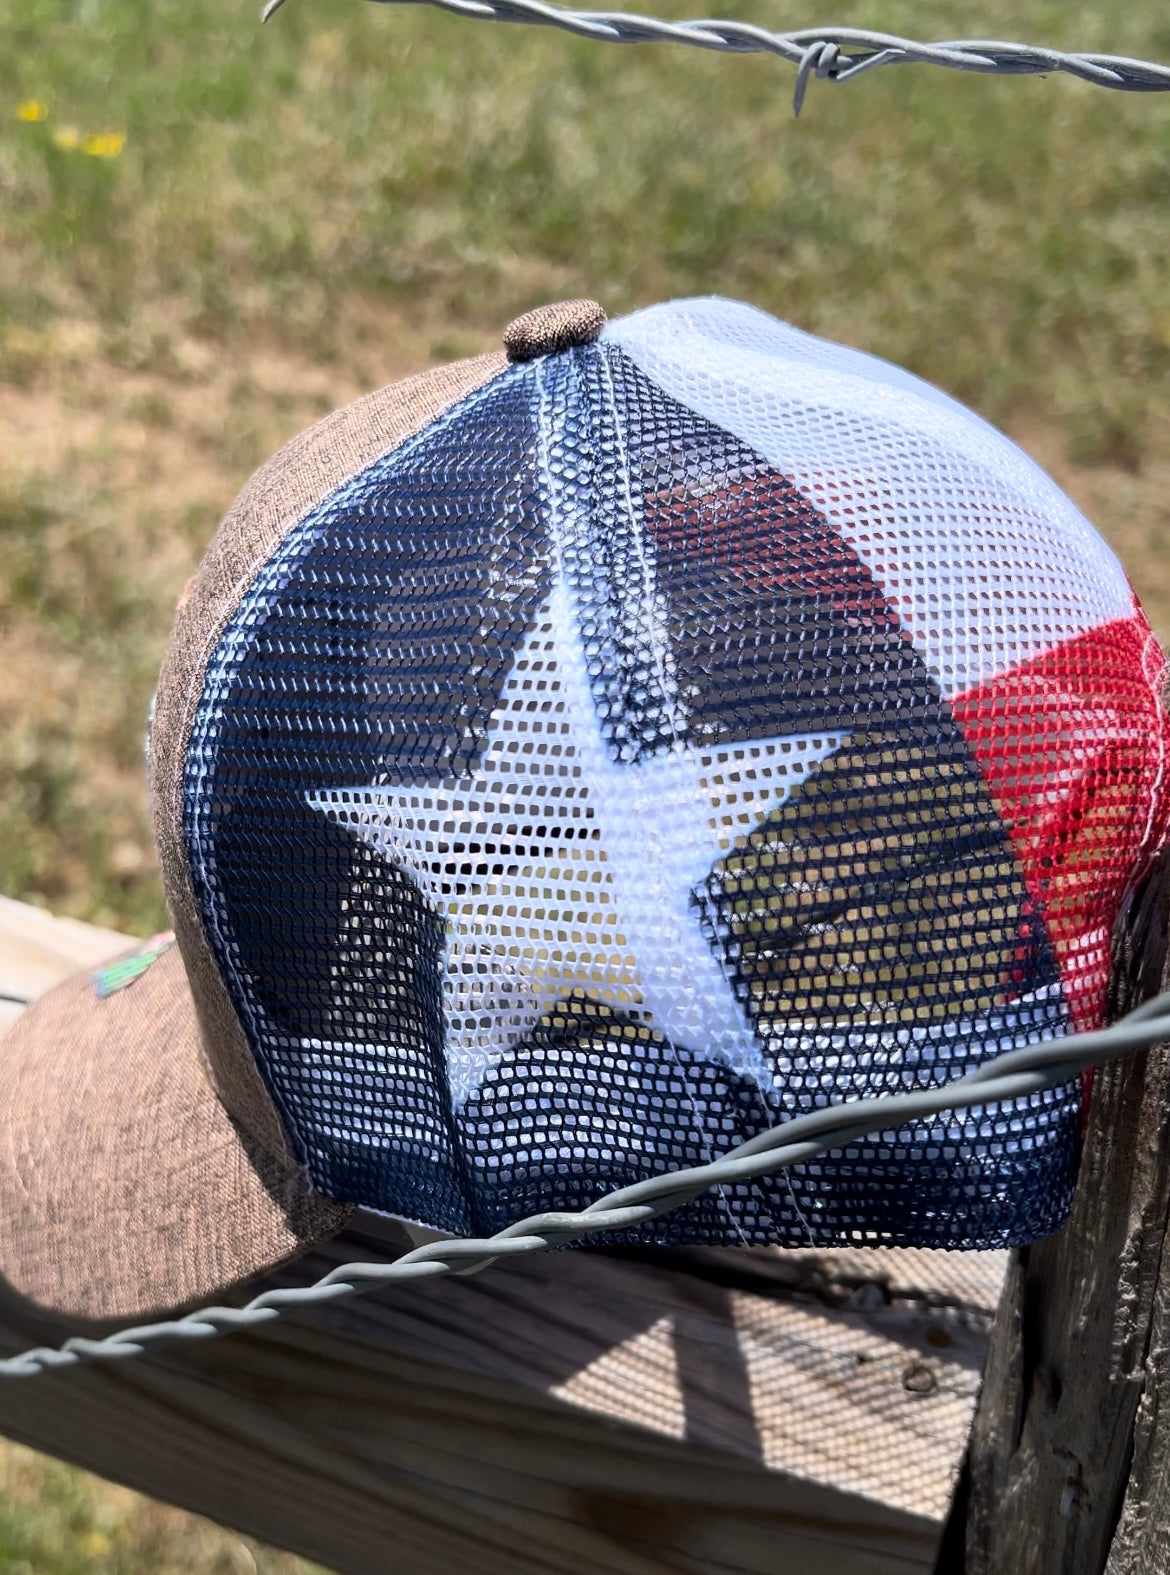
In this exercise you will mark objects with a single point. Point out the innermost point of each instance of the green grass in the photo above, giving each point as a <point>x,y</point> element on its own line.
<point>301,212</point>
<point>1007,237</point>
<point>360,189</point>
<point>57,1521</point>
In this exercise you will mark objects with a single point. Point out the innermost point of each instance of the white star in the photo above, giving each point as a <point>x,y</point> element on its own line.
<point>557,869</point>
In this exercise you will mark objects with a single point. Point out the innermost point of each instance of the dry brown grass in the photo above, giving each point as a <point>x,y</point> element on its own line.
<point>118,474</point>
<point>112,477</point>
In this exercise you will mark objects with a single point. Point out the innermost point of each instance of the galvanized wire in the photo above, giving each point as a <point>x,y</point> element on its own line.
<point>1015,1074</point>
<point>834,54</point>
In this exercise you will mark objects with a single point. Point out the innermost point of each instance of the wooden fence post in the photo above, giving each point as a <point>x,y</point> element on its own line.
<point>1068,1471</point>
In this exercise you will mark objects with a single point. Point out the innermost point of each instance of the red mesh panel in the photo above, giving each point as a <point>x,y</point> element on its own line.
<point>1074,746</point>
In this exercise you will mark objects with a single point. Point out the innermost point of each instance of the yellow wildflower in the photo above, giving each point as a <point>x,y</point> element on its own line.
<point>32,109</point>
<point>66,136</point>
<point>105,145</point>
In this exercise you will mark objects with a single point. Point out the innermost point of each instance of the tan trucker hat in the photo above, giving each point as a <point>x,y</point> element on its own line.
<point>569,763</point>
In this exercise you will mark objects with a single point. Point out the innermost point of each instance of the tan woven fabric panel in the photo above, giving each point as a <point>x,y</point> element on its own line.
<point>104,1201</point>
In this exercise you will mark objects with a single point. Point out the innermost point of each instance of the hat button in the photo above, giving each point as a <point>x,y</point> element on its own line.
<point>559,326</point>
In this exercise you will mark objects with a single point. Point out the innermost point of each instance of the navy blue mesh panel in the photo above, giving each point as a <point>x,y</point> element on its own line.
<point>567,804</point>
<point>375,641</point>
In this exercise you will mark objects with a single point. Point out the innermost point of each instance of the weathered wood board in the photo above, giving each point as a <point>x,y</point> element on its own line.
<point>38,950</point>
<point>1070,1458</point>
<point>708,1410</point>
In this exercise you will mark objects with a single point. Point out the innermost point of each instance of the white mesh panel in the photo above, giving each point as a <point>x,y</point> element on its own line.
<point>558,870</point>
<point>984,559</point>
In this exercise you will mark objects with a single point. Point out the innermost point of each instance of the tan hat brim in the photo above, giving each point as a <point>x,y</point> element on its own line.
<point>125,1188</point>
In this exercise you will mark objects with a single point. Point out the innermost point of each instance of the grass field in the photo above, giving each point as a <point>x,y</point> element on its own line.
<point>57,1521</point>
<point>212,233</point>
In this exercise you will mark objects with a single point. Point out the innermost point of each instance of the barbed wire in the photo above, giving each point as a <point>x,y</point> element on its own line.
<point>834,54</point>
<point>1011,1075</point>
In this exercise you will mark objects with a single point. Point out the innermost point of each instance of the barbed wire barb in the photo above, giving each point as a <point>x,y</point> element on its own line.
<point>833,54</point>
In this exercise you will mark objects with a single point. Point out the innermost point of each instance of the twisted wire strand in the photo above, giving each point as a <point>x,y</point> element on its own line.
<point>1012,1075</point>
<point>834,54</point>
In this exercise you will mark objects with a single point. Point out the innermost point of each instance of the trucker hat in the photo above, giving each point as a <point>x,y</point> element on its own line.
<point>568,764</point>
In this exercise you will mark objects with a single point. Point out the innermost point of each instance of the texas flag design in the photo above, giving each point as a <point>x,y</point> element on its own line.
<point>683,732</point>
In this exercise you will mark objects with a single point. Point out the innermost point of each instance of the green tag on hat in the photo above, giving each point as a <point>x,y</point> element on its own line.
<point>116,975</point>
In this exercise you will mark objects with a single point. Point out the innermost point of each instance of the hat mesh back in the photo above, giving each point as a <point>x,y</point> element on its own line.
<point>291,483</point>
<point>679,733</point>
